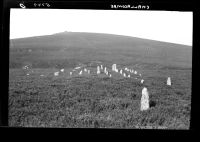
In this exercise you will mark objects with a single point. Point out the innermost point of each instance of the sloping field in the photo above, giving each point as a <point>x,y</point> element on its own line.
<point>68,49</point>
<point>98,101</point>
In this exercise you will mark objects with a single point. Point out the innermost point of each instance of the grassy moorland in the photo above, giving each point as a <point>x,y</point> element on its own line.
<point>97,101</point>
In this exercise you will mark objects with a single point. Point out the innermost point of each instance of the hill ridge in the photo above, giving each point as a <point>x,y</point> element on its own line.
<point>67,47</point>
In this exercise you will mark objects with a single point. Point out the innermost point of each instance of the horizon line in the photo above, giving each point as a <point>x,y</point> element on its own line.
<point>99,33</point>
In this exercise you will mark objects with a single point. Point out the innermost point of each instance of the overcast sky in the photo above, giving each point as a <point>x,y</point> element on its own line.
<point>175,27</point>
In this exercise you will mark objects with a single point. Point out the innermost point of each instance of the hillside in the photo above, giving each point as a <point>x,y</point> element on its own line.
<point>70,48</point>
<point>46,89</point>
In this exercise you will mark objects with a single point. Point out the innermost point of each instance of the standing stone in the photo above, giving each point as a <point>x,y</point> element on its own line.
<point>56,73</point>
<point>102,67</point>
<point>135,72</point>
<point>144,100</point>
<point>80,72</point>
<point>70,73</point>
<point>124,75</point>
<point>169,81</point>
<point>142,81</point>
<point>121,71</point>
<point>98,70</point>
<point>114,67</point>
<point>105,70</point>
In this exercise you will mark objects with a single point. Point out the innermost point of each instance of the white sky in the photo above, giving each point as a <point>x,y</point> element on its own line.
<point>169,26</point>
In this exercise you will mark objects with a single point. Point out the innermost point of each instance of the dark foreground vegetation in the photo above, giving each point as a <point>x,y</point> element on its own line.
<point>97,102</point>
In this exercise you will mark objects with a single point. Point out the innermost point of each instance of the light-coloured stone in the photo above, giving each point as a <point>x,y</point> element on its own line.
<point>56,73</point>
<point>80,72</point>
<point>98,70</point>
<point>102,67</point>
<point>144,100</point>
<point>113,67</point>
<point>169,81</point>
<point>105,70</point>
<point>121,71</point>
<point>77,68</point>
<point>135,72</point>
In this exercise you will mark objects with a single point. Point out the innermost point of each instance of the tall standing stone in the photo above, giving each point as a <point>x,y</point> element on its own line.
<point>98,70</point>
<point>144,100</point>
<point>105,70</point>
<point>169,81</point>
<point>114,67</point>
